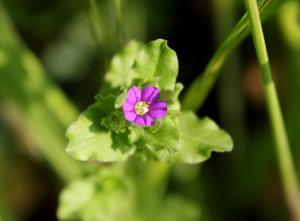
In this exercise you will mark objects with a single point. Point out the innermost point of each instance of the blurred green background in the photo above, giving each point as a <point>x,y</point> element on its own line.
<point>52,58</point>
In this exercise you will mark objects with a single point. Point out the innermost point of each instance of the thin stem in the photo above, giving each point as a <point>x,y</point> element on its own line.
<point>286,165</point>
<point>34,114</point>
<point>119,16</point>
<point>196,94</point>
<point>95,21</point>
<point>230,96</point>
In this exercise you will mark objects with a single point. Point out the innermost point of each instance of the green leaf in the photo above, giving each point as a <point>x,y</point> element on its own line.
<point>98,196</point>
<point>172,98</point>
<point>90,140</point>
<point>199,137</point>
<point>111,195</point>
<point>94,135</point>
<point>158,142</point>
<point>176,208</point>
<point>121,63</point>
<point>156,64</point>
<point>187,139</point>
<point>75,196</point>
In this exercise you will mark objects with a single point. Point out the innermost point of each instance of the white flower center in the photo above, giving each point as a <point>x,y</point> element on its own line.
<point>141,108</point>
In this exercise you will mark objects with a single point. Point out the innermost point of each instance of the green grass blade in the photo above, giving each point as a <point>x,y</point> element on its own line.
<point>285,159</point>
<point>196,93</point>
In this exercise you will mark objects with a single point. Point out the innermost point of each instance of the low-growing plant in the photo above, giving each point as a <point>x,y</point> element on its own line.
<point>140,131</point>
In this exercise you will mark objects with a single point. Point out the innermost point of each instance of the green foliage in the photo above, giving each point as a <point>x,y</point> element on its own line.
<point>156,64</point>
<point>175,208</point>
<point>89,139</point>
<point>99,196</point>
<point>95,134</point>
<point>198,91</point>
<point>101,132</point>
<point>31,103</point>
<point>108,194</point>
<point>199,137</point>
<point>289,22</point>
<point>121,63</point>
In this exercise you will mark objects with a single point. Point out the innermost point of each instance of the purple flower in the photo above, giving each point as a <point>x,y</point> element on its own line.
<point>143,107</point>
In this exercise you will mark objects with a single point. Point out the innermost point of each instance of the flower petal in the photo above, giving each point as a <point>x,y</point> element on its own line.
<point>140,120</point>
<point>150,94</point>
<point>149,121</point>
<point>158,109</point>
<point>133,95</point>
<point>130,115</point>
<point>128,107</point>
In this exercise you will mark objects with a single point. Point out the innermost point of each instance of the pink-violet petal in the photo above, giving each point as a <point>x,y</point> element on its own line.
<point>146,120</point>
<point>130,116</point>
<point>149,121</point>
<point>150,94</point>
<point>128,107</point>
<point>133,95</point>
<point>140,120</point>
<point>158,109</point>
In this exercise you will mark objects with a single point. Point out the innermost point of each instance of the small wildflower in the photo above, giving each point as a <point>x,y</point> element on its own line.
<point>143,107</point>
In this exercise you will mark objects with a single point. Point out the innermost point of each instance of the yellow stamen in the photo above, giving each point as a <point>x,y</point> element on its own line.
<point>141,108</point>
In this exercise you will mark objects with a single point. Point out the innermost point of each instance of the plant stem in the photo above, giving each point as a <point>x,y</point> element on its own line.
<point>286,165</point>
<point>95,22</point>
<point>119,15</point>
<point>196,94</point>
<point>40,112</point>
<point>231,103</point>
